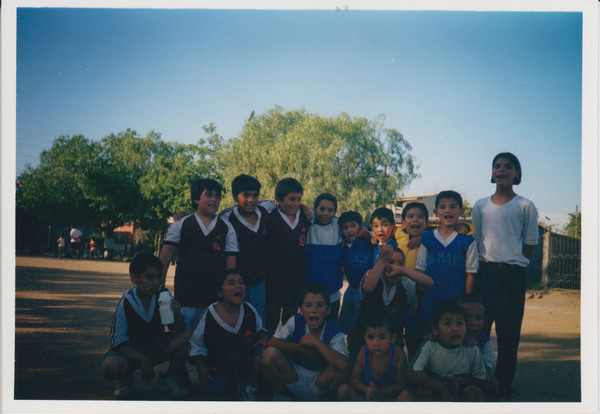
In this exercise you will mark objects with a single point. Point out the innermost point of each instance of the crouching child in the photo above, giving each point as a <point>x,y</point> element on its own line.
<point>226,345</point>
<point>445,369</point>
<point>138,339</point>
<point>307,356</point>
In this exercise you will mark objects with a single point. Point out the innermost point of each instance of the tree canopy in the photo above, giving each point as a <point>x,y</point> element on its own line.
<point>573,227</point>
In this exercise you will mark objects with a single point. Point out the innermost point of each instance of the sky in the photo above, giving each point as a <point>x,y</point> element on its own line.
<point>461,86</point>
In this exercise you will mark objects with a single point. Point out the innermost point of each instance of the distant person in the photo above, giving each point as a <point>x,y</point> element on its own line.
<point>109,247</point>
<point>379,373</point>
<point>249,221</point>
<point>75,241</point>
<point>138,339</point>
<point>445,369</point>
<point>207,247</point>
<point>92,247</point>
<point>506,232</point>
<point>61,245</point>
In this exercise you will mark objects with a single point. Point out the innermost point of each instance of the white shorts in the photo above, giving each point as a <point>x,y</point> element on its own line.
<point>305,388</point>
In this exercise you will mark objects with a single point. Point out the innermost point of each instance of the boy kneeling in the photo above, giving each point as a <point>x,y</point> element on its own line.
<point>137,337</point>
<point>308,355</point>
<point>445,369</point>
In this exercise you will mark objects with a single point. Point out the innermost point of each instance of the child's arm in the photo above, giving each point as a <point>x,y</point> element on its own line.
<point>166,254</point>
<point>392,391</point>
<point>333,358</point>
<point>372,277</point>
<point>204,376</point>
<point>461,381</point>
<point>470,283</point>
<point>419,277</point>
<point>528,249</point>
<point>146,367</point>
<point>472,266</point>
<point>230,261</point>
<point>356,376</point>
<point>179,324</point>
<point>291,348</point>
<point>425,380</point>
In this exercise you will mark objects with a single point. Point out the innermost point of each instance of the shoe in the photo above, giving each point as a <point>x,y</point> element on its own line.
<point>170,387</point>
<point>249,393</point>
<point>282,397</point>
<point>123,388</point>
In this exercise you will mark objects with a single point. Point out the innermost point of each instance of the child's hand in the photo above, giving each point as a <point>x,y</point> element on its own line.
<point>175,306</point>
<point>414,242</point>
<point>385,252</point>
<point>309,340</point>
<point>262,342</point>
<point>364,233</point>
<point>307,211</point>
<point>204,375</point>
<point>178,216</point>
<point>462,228</point>
<point>431,337</point>
<point>146,369</point>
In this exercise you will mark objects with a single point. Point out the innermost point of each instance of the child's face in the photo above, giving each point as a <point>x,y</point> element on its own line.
<point>233,290</point>
<point>382,229</point>
<point>391,275</point>
<point>379,341</point>
<point>325,211</point>
<point>350,231</point>
<point>290,204</point>
<point>448,211</point>
<point>148,281</point>
<point>314,309</point>
<point>247,201</point>
<point>209,202</point>
<point>504,172</point>
<point>451,330</point>
<point>474,314</point>
<point>414,222</point>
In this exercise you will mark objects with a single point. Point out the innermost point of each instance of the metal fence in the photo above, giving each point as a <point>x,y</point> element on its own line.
<point>561,261</point>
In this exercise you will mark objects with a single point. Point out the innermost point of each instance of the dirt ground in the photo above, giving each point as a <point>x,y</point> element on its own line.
<point>63,317</point>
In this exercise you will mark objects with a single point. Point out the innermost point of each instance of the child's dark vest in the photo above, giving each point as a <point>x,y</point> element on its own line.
<point>286,249</point>
<point>356,260</point>
<point>251,258</point>
<point>331,330</point>
<point>389,375</point>
<point>226,349</point>
<point>139,331</point>
<point>201,258</point>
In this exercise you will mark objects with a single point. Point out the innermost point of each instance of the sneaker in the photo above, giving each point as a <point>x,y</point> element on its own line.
<point>170,387</point>
<point>123,388</point>
<point>249,393</point>
<point>281,397</point>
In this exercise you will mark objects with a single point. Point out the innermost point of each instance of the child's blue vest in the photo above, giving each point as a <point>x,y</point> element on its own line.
<point>330,330</point>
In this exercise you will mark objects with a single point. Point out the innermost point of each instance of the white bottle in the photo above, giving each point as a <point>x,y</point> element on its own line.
<point>164,307</point>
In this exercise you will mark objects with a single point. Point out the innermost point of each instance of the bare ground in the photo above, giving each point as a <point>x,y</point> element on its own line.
<point>64,309</point>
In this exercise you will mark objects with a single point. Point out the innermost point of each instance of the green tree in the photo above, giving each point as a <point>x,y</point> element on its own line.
<point>573,227</point>
<point>358,160</point>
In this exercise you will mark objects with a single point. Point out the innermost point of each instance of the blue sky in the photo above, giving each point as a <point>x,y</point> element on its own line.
<point>460,86</point>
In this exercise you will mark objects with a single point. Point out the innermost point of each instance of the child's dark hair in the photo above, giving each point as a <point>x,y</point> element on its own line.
<point>244,182</point>
<point>317,289</point>
<point>141,261</point>
<point>383,213</point>
<point>349,216</point>
<point>469,298</point>
<point>378,320</point>
<point>286,186</point>
<point>443,308</point>
<point>514,161</point>
<point>415,204</point>
<point>221,277</point>
<point>202,184</point>
<point>449,194</point>
<point>328,197</point>
<point>396,249</point>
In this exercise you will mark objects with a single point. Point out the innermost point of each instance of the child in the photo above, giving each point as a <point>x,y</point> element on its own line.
<point>383,225</point>
<point>227,342</point>
<point>379,373</point>
<point>307,356</point>
<point>249,221</point>
<point>448,257</point>
<point>474,313</point>
<point>207,247</point>
<point>381,291</point>
<point>137,337</point>
<point>61,245</point>
<point>324,251</point>
<point>287,227</point>
<point>445,370</point>
<point>357,258</point>
<point>408,237</point>
<point>507,233</point>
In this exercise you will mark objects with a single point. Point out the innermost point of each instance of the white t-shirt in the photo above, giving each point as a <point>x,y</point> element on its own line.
<point>75,235</point>
<point>435,359</point>
<point>231,243</point>
<point>502,230</point>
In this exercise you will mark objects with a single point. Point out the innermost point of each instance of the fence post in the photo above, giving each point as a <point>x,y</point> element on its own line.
<point>546,252</point>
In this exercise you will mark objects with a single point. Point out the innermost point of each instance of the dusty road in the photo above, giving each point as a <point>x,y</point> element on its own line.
<point>64,309</point>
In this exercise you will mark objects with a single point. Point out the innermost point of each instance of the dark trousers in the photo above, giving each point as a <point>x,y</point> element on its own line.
<point>502,287</point>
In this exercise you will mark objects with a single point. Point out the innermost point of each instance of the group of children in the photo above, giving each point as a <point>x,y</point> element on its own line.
<point>258,290</point>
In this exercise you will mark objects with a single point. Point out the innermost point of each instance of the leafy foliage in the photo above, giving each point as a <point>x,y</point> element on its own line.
<point>573,227</point>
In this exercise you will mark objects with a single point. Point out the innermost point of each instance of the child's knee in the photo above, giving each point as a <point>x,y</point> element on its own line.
<point>343,392</point>
<point>270,356</point>
<point>473,393</point>
<point>114,367</point>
